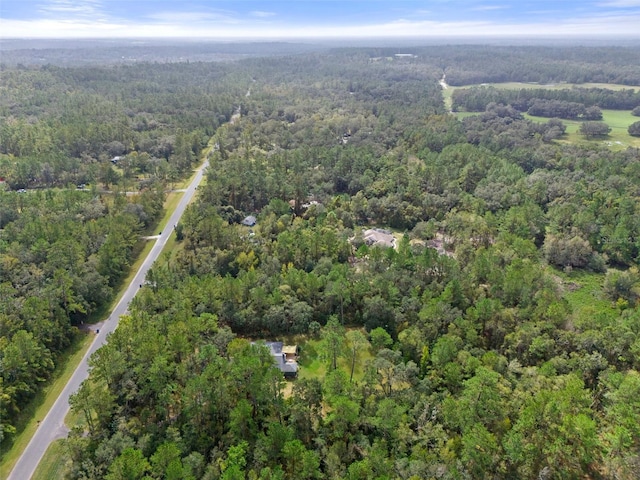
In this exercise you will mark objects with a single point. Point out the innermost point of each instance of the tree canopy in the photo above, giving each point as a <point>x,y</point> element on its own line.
<point>493,333</point>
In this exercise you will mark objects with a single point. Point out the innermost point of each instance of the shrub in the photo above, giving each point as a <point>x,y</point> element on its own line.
<point>634,129</point>
<point>594,129</point>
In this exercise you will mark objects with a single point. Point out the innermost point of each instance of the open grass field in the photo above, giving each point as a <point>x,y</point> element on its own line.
<point>618,138</point>
<point>618,120</point>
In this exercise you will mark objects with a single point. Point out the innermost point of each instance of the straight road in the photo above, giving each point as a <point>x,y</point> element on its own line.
<point>53,427</point>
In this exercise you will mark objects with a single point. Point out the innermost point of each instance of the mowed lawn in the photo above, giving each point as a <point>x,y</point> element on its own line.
<point>618,120</point>
<point>618,138</point>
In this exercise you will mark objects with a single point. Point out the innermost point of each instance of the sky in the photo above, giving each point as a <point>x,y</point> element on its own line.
<point>296,19</point>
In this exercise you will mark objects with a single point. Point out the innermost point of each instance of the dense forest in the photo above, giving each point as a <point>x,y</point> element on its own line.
<point>86,156</point>
<point>499,338</point>
<point>561,103</point>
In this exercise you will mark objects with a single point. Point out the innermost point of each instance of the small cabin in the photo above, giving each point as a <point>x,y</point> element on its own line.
<point>285,357</point>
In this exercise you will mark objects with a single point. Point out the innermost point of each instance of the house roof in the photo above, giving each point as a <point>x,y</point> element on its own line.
<point>290,367</point>
<point>279,354</point>
<point>249,221</point>
<point>290,349</point>
<point>379,237</point>
<point>275,347</point>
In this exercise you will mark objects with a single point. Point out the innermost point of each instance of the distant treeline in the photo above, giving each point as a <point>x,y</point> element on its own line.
<point>570,102</point>
<point>487,64</point>
<point>474,64</point>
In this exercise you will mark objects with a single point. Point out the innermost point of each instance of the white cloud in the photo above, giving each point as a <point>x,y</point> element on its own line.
<point>192,17</point>
<point>71,9</point>
<point>486,8</point>
<point>260,14</point>
<point>219,25</point>
<point>620,3</point>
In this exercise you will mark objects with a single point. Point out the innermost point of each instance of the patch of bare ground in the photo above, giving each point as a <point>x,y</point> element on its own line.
<point>439,243</point>
<point>566,286</point>
<point>287,390</point>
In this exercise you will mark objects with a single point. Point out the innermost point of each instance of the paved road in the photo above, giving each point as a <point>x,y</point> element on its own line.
<point>53,427</point>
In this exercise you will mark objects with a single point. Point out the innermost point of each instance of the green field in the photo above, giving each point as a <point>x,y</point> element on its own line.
<point>618,138</point>
<point>618,120</point>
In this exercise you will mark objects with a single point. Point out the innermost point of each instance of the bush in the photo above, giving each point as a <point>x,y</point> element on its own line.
<point>593,113</point>
<point>567,252</point>
<point>634,129</point>
<point>622,285</point>
<point>594,129</point>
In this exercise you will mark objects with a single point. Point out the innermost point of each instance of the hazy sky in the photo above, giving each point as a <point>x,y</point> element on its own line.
<point>317,18</point>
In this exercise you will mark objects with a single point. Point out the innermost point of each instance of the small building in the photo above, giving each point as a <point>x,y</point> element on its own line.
<point>249,221</point>
<point>379,238</point>
<point>292,352</point>
<point>285,357</point>
<point>312,203</point>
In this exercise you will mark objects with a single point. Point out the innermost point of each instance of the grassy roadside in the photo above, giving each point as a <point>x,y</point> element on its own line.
<point>173,246</point>
<point>54,464</point>
<point>170,204</point>
<point>44,400</point>
<point>68,362</point>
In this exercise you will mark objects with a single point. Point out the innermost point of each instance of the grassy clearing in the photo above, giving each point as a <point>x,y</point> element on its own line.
<point>618,138</point>
<point>313,366</point>
<point>446,97</point>
<point>54,464</point>
<point>44,400</point>
<point>618,120</point>
<point>461,115</point>
<point>583,291</point>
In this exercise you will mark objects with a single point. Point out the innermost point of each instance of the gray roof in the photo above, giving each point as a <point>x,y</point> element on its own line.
<point>275,347</point>
<point>379,237</point>
<point>249,221</point>
<point>281,358</point>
